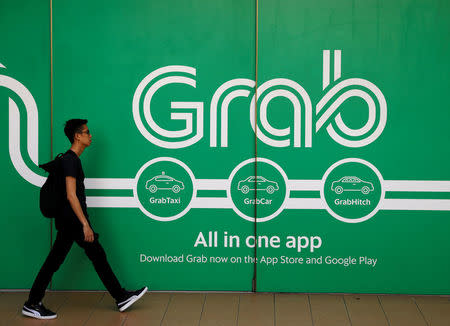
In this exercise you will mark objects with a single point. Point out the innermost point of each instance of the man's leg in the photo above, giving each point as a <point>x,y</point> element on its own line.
<point>56,257</point>
<point>97,255</point>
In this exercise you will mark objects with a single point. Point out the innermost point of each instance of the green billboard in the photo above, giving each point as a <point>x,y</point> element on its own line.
<point>290,146</point>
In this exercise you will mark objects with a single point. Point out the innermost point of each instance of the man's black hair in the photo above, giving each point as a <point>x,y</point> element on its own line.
<point>72,127</point>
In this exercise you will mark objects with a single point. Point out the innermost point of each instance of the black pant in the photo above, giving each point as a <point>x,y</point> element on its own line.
<point>61,248</point>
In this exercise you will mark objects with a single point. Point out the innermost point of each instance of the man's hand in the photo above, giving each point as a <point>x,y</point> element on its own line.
<point>88,233</point>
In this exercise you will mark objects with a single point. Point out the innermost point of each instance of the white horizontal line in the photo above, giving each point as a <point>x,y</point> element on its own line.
<point>98,201</point>
<point>108,183</point>
<point>416,204</point>
<point>304,185</point>
<point>417,185</point>
<point>305,203</point>
<point>210,202</point>
<point>292,203</point>
<point>211,184</point>
<point>293,185</point>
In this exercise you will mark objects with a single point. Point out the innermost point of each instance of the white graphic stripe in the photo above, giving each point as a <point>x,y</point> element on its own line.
<point>210,202</point>
<point>326,68</point>
<point>109,183</point>
<point>211,184</point>
<point>337,64</point>
<point>14,148</point>
<point>32,113</point>
<point>292,203</point>
<point>93,201</point>
<point>417,185</point>
<point>388,185</point>
<point>306,185</point>
<point>222,184</point>
<point>416,204</point>
<point>305,203</point>
<point>387,204</point>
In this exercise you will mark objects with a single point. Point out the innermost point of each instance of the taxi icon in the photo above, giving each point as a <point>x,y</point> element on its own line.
<point>164,182</point>
<point>257,183</point>
<point>351,183</point>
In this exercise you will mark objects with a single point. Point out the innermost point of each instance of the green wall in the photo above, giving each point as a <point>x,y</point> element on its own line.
<point>381,121</point>
<point>25,43</point>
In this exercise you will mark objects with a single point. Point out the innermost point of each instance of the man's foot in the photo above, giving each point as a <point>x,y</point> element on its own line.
<point>130,298</point>
<point>37,311</point>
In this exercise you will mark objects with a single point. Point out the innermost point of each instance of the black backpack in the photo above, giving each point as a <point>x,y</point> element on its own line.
<point>52,192</point>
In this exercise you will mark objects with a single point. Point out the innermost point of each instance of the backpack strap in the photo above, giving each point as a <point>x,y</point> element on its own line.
<point>49,166</point>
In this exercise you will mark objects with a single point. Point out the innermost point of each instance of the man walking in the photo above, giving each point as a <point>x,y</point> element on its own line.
<point>73,225</point>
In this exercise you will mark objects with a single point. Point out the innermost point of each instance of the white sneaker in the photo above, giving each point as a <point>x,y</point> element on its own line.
<point>130,298</point>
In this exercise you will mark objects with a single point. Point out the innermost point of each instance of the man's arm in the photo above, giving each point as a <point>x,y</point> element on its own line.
<point>71,187</point>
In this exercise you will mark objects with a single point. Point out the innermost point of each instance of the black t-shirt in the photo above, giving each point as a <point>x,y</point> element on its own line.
<point>67,220</point>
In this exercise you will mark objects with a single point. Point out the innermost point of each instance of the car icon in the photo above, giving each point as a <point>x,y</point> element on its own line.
<point>164,182</point>
<point>257,183</point>
<point>351,183</point>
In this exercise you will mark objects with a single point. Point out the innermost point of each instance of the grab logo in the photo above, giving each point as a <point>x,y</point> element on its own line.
<point>327,115</point>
